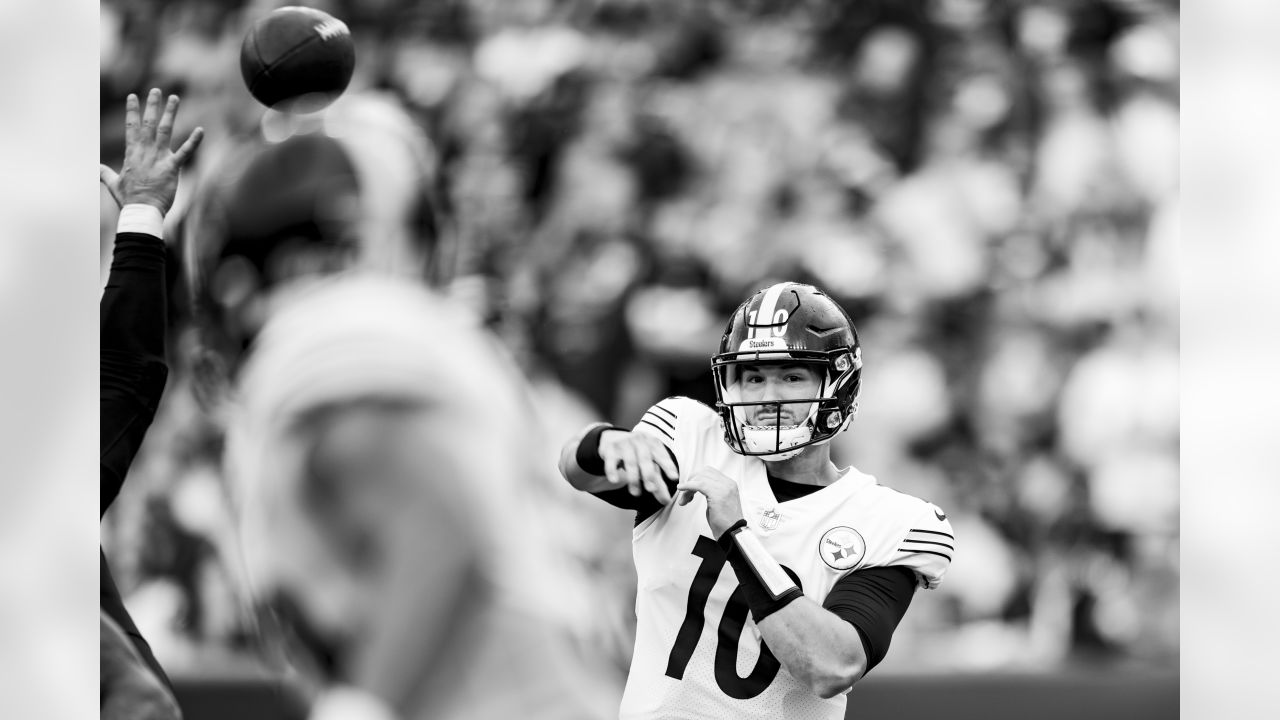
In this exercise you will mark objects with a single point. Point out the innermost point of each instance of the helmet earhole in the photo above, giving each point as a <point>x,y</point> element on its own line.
<point>833,420</point>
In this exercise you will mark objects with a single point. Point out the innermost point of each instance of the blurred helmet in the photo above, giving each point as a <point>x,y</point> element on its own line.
<point>788,324</point>
<point>351,188</point>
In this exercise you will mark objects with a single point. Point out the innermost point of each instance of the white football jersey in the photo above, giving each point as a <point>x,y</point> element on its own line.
<point>698,652</point>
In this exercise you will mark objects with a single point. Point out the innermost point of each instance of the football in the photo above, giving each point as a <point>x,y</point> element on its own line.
<point>297,59</point>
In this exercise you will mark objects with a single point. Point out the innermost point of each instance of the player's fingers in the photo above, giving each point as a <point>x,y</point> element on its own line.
<point>151,115</point>
<point>708,481</point>
<point>612,467</point>
<point>654,482</point>
<point>692,485</point>
<point>131,119</point>
<point>620,478</point>
<point>184,153</point>
<point>110,179</point>
<point>665,461</point>
<point>630,468</point>
<point>649,469</point>
<point>615,467</point>
<point>688,494</point>
<point>662,455</point>
<point>165,129</point>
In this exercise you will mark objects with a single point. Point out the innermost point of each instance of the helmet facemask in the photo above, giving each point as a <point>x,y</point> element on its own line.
<point>809,420</point>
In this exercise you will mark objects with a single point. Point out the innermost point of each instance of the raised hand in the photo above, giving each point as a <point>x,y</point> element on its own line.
<point>150,171</point>
<point>724,506</point>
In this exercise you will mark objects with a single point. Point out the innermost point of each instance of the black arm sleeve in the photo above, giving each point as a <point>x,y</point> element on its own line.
<point>132,371</point>
<point>588,458</point>
<point>873,601</point>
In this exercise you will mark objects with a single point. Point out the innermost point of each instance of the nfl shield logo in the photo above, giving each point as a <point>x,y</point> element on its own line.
<point>769,519</point>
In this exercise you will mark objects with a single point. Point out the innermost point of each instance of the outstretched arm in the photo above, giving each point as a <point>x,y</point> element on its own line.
<point>604,458</point>
<point>132,312</point>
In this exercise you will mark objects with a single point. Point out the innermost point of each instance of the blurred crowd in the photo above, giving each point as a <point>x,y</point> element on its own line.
<point>989,187</point>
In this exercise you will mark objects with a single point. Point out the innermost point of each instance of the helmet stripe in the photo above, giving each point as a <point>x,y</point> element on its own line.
<point>764,316</point>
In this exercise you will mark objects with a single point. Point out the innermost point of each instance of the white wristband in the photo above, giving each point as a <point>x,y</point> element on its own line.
<point>770,573</point>
<point>141,218</point>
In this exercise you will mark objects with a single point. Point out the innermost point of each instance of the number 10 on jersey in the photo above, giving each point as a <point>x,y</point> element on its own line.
<point>728,633</point>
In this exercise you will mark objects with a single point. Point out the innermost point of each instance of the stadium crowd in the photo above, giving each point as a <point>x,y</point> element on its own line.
<point>989,187</point>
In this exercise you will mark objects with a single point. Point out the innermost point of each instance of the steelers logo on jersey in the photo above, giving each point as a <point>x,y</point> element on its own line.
<point>842,548</point>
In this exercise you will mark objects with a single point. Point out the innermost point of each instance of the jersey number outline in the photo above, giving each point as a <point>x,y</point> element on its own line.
<point>729,632</point>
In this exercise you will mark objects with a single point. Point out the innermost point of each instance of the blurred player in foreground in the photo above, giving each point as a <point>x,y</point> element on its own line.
<point>132,375</point>
<point>379,451</point>
<point>823,561</point>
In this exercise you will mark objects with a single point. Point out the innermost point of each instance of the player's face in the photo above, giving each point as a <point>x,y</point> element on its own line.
<point>768,382</point>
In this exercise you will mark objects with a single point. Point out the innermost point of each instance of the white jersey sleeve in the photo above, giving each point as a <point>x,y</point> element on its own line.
<point>927,546</point>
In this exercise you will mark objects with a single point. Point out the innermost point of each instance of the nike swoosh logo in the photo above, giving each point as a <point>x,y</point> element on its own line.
<point>939,514</point>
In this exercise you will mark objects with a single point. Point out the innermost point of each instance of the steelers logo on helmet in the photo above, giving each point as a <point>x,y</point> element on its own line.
<point>842,548</point>
<point>787,325</point>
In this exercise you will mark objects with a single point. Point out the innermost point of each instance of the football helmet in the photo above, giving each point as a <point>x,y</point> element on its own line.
<point>794,324</point>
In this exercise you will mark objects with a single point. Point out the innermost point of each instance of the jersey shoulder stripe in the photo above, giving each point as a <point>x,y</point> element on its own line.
<point>664,431</point>
<point>659,409</point>
<point>927,545</point>
<point>925,552</point>
<point>659,418</point>
<point>921,533</point>
<point>672,412</point>
<point>928,541</point>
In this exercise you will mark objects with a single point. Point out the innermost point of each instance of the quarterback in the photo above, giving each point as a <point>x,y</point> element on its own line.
<point>769,579</point>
